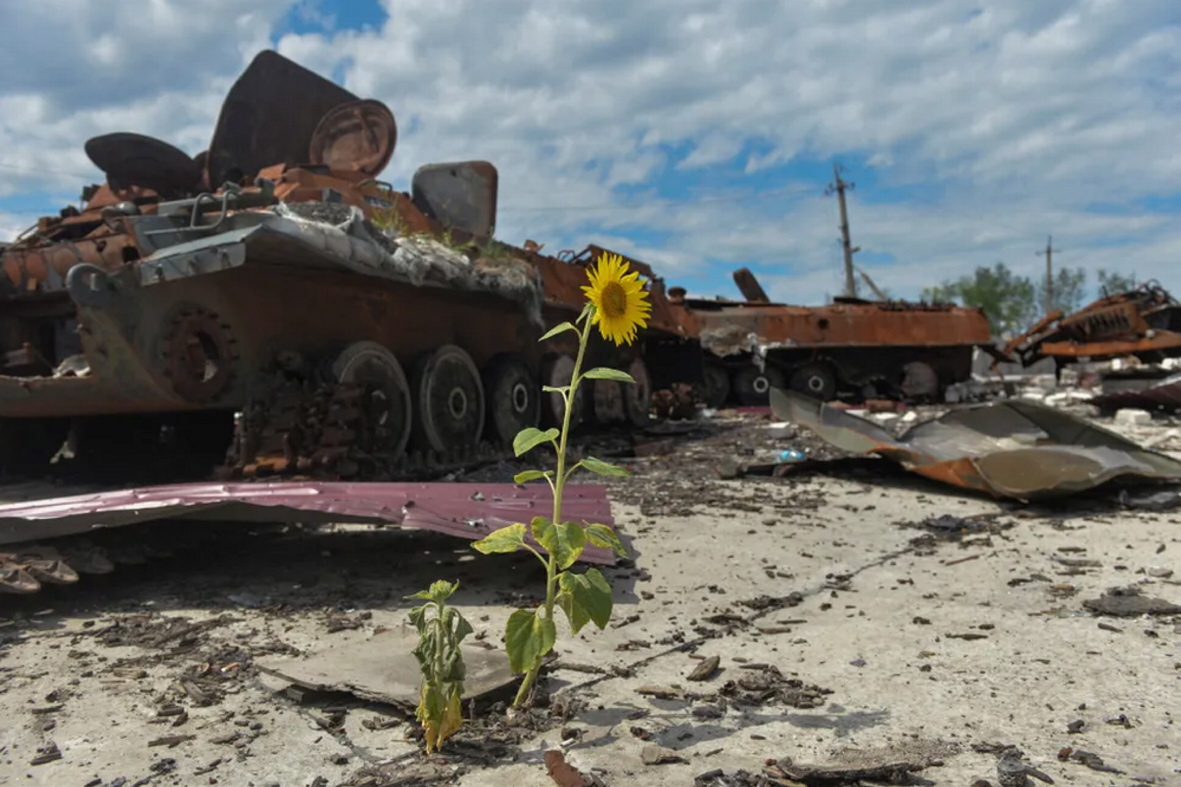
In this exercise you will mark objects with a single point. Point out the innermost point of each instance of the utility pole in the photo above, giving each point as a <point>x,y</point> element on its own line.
<point>840,187</point>
<point>1048,253</point>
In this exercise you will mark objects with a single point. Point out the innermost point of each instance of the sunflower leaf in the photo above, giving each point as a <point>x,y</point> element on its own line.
<point>603,468</point>
<point>607,373</point>
<point>529,475</point>
<point>559,328</point>
<point>530,437</point>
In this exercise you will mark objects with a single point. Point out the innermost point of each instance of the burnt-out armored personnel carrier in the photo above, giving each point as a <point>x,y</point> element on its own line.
<point>269,307</point>
<point>851,348</point>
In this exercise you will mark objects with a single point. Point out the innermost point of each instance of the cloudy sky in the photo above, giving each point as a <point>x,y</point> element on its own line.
<point>697,135</point>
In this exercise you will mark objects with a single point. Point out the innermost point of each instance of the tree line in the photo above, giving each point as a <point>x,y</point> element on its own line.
<point>1014,302</point>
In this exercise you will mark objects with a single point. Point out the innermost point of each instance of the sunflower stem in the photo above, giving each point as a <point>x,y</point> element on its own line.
<point>551,564</point>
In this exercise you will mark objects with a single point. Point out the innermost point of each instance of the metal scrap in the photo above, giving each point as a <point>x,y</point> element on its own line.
<point>1009,449</point>
<point>1164,396</point>
<point>1143,323</point>
<point>469,511</point>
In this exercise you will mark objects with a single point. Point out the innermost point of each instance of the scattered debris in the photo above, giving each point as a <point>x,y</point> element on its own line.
<point>889,764</point>
<point>1011,448</point>
<point>705,669</point>
<point>1128,602</point>
<point>659,755</point>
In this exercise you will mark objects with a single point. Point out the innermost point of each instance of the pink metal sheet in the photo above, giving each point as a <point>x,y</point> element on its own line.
<point>464,510</point>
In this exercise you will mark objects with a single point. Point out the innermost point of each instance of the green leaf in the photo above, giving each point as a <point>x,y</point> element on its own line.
<point>575,612</point>
<point>555,389</point>
<point>560,328</point>
<point>529,475</point>
<point>507,539</point>
<point>607,373</point>
<point>530,437</point>
<point>565,541</point>
<point>527,638</point>
<point>603,468</point>
<point>605,538</point>
<point>587,597</point>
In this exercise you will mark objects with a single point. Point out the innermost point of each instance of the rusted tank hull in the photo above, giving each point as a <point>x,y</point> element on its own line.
<point>854,349</point>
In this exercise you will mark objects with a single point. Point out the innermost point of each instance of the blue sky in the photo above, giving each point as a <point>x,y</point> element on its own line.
<point>698,136</point>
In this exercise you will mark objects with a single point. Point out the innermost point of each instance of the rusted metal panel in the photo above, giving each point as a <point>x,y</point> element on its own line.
<point>1164,396</point>
<point>463,510</point>
<point>460,195</point>
<point>269,117</point>
<point>749,286</point>
<point>844,325</point>
<point>1008,449</point>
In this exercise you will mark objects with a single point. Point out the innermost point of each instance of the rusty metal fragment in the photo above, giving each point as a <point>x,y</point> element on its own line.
<point>465,510</point>
<point>1143,323</point>
<point>1008,449</point>
<point>1164,396</point>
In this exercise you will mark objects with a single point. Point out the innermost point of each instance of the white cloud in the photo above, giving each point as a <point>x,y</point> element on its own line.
<point>1015,116</point>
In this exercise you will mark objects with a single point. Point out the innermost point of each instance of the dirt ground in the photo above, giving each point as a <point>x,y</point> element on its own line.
<point>842,612</point>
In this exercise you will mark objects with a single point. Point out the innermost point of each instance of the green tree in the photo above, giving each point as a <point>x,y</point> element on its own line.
<point>1111,283</point>
<point>1009,300</point>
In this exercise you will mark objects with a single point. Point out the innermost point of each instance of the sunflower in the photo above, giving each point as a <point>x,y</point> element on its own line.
<point>618,298</point>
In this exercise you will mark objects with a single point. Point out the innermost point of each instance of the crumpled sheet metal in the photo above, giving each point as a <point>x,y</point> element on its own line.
<point>1164,396</point>
<point>1010,449</point>
<point>469,511</point>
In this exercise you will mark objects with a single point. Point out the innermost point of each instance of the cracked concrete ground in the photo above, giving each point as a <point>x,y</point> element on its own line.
<point>970,639</point>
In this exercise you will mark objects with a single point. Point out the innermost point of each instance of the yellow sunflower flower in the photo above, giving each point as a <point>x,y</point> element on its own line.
<point>619,299</point>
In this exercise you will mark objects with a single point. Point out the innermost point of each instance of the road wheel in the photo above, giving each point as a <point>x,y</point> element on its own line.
<point>514,397</point>
<point>449,401</point>
<point>387,407</point>
<point>638,396</point>
<point>753,388</point>
<point>920,381</point>
<point>815,380</point>
<point>714,390</point>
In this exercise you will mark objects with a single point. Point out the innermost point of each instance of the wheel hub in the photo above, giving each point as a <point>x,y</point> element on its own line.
<point>762,384</point>
<point>457,403</point>
<point>520,398</point>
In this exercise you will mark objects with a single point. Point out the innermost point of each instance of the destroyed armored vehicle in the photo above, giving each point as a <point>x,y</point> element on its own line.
<point>1144,323</point>
<point>270,307</point>
<point>852,348</point>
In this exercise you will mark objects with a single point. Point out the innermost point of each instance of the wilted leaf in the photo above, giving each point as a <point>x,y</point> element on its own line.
<point>607,373</point>
<point>588,597</point>
<point>605,538</point>
<point>603,468</point>
<point>528,475</point>
<point>565,541</point>
<point>559,328</point>
<point>507,539</point>
<point>527,638</point>
<point>530,437</point>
